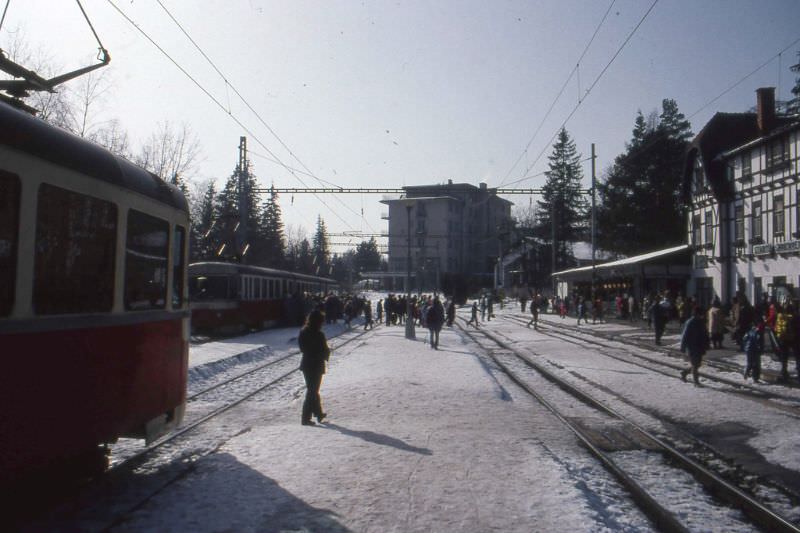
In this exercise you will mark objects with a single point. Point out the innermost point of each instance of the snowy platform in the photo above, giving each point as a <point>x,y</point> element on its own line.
<point>417,440</point>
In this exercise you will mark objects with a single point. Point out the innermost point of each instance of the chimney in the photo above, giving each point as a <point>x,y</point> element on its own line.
<point>765,109</point>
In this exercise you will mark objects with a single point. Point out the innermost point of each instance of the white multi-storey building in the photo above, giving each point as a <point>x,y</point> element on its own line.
<point>455,229</point>
<point>741,182</point>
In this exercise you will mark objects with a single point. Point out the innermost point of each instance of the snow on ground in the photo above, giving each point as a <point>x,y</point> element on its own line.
<point>418,440</point>
<point>425,440</point>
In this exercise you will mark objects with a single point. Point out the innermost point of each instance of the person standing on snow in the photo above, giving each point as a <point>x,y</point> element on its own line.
<point>716,324</point>
<point>753,344</point>
<point>694,340</point>
<point>435,321</point>
<point>451,312</point>
<point>316,353</point>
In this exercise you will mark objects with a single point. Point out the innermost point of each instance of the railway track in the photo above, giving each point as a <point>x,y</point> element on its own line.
<point>161,473</point>
<point>608,427</point>
<point>671,367</point>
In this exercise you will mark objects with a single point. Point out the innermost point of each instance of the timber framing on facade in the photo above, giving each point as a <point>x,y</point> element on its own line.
<point>741,185</point>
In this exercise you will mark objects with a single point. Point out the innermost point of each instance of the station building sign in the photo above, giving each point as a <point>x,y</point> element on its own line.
<point>762,249</point>
<point>787,247</point>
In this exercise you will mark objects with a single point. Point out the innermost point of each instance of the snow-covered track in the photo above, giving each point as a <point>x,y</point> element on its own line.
<point>171,458</point>
<point>663,518</point>
<point>198,396</point>
<point>670,367</point>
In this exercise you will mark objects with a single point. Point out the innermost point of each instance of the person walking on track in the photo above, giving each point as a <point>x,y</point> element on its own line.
<point>316,353</point>
<point>535,303</point>
<point>474,318</point>
<point>694,340</point>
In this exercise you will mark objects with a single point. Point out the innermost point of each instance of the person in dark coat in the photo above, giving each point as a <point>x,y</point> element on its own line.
<point>316,353</point>
<point>451,312</point>
<point>474,318</point>
<point>694,341</point>
<point>535,303</point>
<point>753,345</point>
<point>435,321</point>
<point>659,312</point>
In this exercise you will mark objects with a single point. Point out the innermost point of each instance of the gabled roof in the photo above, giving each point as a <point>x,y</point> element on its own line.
<point>724,132</point>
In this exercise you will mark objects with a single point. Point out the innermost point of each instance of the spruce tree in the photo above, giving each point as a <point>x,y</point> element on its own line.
<point>640,207</point>
<point>562,212</point>
<point>202,244</point>
<point>320,249</point>
<point>271,251</point>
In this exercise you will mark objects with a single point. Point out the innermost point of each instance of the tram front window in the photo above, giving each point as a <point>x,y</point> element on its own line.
<point>203,288</point>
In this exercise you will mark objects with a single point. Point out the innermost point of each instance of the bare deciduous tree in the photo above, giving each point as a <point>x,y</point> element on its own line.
<point>170,152</point>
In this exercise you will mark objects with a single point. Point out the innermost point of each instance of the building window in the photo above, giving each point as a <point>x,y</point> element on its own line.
<point>709,227</point>
<point>76,240</point>
<point>699,176</point>
<point>778,216</point>
<point>747,166</point>
<point>738,235</point>
<point>9,231</point>
<point>146,261</point>
<point>758,290</point>
<point>778,152</point>
<point>755,227</point>
<point>695,229</point>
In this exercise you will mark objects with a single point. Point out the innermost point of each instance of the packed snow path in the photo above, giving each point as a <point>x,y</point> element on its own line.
<point>417,440</point>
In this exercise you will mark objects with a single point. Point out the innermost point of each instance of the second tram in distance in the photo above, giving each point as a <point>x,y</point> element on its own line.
<point>229,297</point>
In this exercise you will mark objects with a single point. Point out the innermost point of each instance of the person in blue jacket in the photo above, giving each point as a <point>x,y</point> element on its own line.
<point>694,341</point>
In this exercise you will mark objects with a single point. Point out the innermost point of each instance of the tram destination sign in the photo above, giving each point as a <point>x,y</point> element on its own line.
<point>787,247</point>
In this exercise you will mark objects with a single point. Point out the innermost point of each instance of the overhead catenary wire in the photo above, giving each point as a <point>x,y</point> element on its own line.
<point>5,10</point>
<point>656,138</point>
<point>228,84</point>
<point>558,96</point>
<point>592,86</point>
<point>219,104</point>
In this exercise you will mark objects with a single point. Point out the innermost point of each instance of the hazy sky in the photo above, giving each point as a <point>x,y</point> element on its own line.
<point>385,94</point>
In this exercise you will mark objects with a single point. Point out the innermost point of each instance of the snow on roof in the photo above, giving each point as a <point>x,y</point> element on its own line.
<point>628,260</point>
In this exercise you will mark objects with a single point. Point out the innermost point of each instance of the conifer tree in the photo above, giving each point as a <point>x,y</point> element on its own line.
<point>562,212</point>
<point>271,250</point>
<point>320,249</point>
<point>640,208</point>
<point>368,257</point>
<point>202,246</point>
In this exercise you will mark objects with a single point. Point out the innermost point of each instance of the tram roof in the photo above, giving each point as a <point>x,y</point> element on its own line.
<point>28,134</point>
<point>219,267</point>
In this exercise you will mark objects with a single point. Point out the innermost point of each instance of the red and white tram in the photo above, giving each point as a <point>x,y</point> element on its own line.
<point>229,297</point>
<point>94,318</point>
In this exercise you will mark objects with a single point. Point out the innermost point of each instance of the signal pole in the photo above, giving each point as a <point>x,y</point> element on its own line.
<point>243,170</point>
<point>594,188</point>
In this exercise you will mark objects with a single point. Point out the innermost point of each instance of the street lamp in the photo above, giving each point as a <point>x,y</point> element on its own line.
<point>410,333</point>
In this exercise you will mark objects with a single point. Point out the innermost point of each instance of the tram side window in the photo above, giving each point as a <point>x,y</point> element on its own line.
<point>146,262</point>
<point>178,267</point>
<point>76,238</point>
<point>9,229</point>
